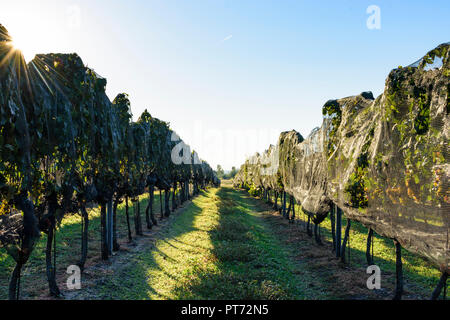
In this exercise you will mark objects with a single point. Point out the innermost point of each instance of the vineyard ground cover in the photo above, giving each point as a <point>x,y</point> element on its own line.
<point>419,274</point>
<point>34,283</point>
<point>224,244</point>
<point>217,248</point>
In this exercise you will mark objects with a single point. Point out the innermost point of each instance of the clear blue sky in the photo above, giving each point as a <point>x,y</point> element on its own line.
<point>230,75</point>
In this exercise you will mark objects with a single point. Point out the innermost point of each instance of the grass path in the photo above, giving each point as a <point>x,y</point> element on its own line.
<point>219,247</point>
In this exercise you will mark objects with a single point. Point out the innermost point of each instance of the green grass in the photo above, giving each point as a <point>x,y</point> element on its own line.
<point>218,248</point>
<point>223,245</point>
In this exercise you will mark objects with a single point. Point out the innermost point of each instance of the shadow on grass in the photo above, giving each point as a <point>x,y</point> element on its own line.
<point>249,263</point>
<point>131,280</point>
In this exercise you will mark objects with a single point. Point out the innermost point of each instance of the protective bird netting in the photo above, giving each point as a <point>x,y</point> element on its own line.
<point>64,145</point>
<point>302,168</point>
<point>384,162</point>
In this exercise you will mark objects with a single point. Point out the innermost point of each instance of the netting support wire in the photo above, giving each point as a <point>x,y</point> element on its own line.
<point>398,271</point>
<point>441,284</point>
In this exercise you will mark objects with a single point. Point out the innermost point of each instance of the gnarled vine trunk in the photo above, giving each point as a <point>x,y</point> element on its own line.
<point>369,245</point>
<point>166,202</point>
<point>441,284</point>
<point>398,271</point>
<point>30,234</point>
<point>104,235</point>
<point>116,245</point>
<point>128,219</point>
<point>316,234</point>
<point>161,205</point>
<point>51,263</point>
<point>137,218</point>
<point>344,242</point>
<point>333,227</point>
<point>174,197</point>
<point>151,201</point>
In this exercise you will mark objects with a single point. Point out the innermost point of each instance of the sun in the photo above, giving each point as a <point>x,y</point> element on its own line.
<point>33,33</point>
<point>30,39</point>
<point>24,45</point>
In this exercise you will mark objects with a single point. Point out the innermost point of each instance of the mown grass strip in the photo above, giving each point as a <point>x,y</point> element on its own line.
<point>217,248</point>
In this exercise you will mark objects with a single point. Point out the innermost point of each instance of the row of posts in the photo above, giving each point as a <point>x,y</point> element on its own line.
<point>110,220</point>
<point>339,245</point>
<point>336,222</point>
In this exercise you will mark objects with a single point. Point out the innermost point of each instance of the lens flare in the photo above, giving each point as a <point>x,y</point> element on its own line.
<point>19,45</point>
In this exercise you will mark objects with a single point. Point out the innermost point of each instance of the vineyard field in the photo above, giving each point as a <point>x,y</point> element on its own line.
<point>224,244</point>
<point>207,152</point>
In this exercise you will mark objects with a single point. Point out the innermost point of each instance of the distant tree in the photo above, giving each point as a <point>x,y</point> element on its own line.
<point>219,172</point>
<point>232,173</point>
<point>226,176</point>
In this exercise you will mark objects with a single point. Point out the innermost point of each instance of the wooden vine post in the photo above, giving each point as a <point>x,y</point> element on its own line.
<point>338,231</point>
